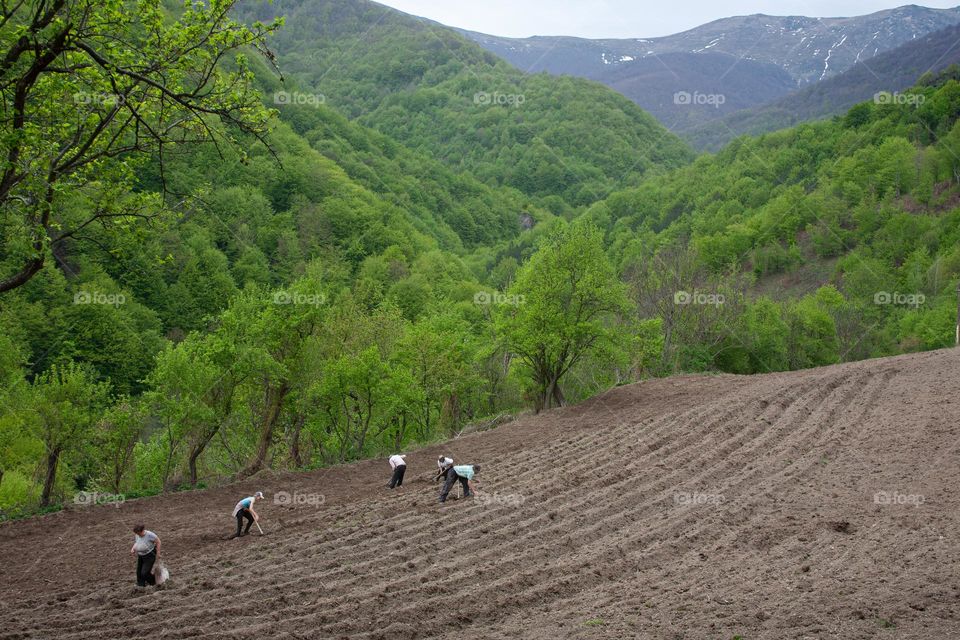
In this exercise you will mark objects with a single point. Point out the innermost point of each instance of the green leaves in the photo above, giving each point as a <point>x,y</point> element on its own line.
<point>436,91</point>
<point>564,306</point>
<point>89,87</point>
<point>63,405</point>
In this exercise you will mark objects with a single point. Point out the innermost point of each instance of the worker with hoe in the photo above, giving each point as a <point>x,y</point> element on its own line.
<point>462,472</point>
<point>443,464</point>
<point>244,509</point>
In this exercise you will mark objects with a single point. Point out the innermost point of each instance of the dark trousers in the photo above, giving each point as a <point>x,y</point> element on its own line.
<point>244,513</point>
<point>449,480</point>
<point>145,569</point>
<point>397,479</point>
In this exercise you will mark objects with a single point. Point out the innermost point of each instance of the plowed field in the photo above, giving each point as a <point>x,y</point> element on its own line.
<point>814,504</point>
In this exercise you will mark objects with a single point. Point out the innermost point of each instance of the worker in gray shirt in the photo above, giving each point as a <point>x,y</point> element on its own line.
<point>146,546</point>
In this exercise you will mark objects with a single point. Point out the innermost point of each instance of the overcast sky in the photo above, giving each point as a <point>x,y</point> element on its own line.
<point>622,18</point>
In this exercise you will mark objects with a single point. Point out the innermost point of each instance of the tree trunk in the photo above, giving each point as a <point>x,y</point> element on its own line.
<point>29,269</point>
<point>365,422</point>
<point>198,448</point>
<point>667,345</point>
<point>53,458</point>
<point>451,413</point>
<point>398,438</point>
<point>540,402</point>
<point>295,441</point>
<point>557,393</point>
<point>173,483</point>
<point>168,463</point>
<point>192,464</point>
<point>32,266</point>
<point>273,402</point>
<point>121,465</point>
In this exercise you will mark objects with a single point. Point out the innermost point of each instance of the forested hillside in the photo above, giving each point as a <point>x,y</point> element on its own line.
<point>831,241</point>
<point>301,282</point>
<point>158,343</point>
<point>438,93</point>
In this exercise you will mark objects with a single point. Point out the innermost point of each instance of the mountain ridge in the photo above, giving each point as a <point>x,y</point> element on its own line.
<point>768,57</point>
<point>922,20</point>
<point>892,71</point>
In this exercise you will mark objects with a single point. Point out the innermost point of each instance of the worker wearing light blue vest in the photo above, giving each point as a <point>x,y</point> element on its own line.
<point>462,472</point>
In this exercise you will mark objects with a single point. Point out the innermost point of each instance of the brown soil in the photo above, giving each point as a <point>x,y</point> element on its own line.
<point>690,507</point>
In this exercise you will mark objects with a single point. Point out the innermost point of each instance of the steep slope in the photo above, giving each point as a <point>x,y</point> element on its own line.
<point>439,197</point>
<point>832,215</point>
<point>819,502</point>
<point>440,94</point>
<point>782,53</point>
<point>891,71</point>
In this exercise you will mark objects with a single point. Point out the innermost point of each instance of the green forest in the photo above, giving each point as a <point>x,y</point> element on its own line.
<point>276,236</point>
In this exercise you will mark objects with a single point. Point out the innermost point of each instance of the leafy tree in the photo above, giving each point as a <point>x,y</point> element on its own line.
<point>87,86</point>
<point>114,441</point>
<point>567,297</point>
<point>812,337</point>
<point>438,352</point>
<point>66,403</point>
<point>357,396</point>
<point>13,390</point>
<point>765,336</point>
<point>180,388</point>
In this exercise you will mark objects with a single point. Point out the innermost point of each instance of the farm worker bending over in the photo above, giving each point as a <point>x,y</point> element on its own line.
<point>443,463</point>
<point>464,473</point>
<point>146,546</point>
<point>399,465</point>
<point>244,509</point>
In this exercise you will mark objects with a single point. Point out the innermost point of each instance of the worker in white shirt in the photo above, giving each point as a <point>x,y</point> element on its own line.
<point>399,465</point>
<point>444,464</point>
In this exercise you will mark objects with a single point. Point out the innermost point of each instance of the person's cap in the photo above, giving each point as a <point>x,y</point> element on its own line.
<point>258,495</point>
